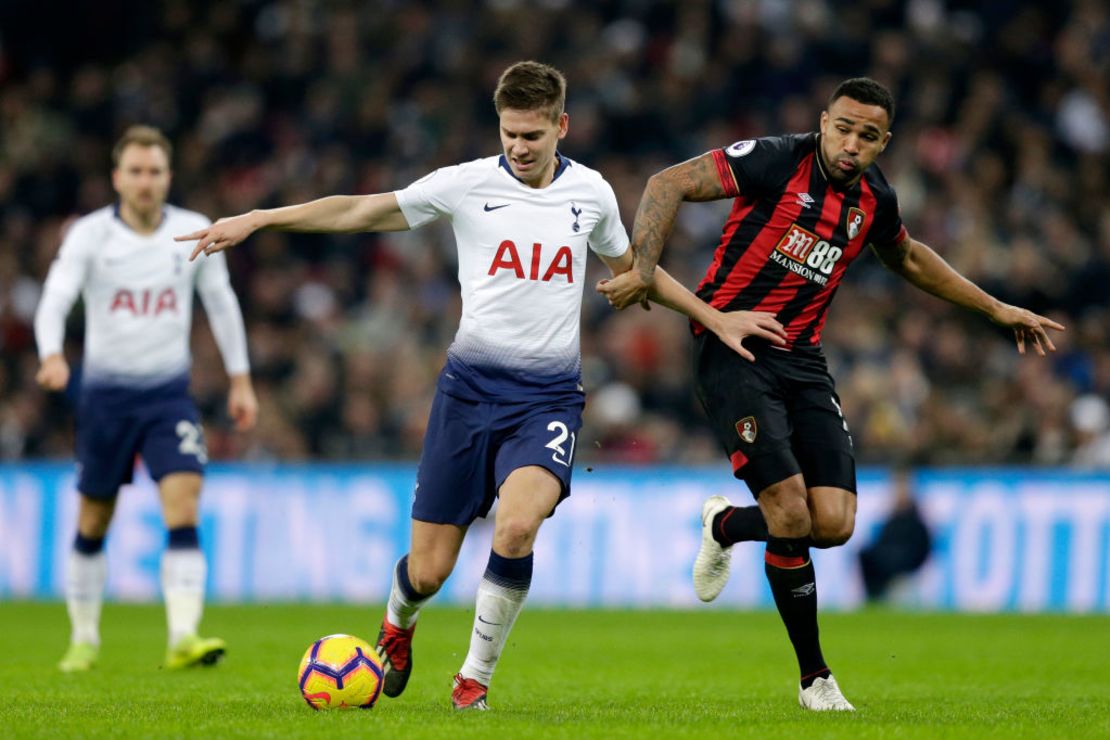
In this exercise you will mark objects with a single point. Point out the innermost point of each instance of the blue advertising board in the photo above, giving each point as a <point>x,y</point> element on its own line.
<point>1004,540</point>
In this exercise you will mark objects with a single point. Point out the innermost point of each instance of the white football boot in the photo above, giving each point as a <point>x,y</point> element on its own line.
<point>711,566</point>
<point>824,695</point>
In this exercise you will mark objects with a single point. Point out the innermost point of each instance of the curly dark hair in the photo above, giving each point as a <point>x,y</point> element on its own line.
<point>866,90</point>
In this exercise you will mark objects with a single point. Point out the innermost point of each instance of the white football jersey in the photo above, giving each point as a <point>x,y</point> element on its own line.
<point>138,295</point>
<point>522,268</point>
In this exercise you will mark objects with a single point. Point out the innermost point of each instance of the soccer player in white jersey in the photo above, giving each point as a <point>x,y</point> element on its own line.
<point>509,401</point>
<point>137,284</point>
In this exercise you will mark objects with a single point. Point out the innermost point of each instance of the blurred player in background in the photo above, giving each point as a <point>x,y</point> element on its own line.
<point>805,207</point>
<point>509,402</point>
<point>137,284</point>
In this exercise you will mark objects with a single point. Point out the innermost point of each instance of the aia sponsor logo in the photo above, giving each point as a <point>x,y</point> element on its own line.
<point>540,268</point>
<point>144,302</point>
<point>747,429</point>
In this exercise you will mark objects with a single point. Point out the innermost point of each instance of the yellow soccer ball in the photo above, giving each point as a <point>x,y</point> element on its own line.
<point>340,672</point>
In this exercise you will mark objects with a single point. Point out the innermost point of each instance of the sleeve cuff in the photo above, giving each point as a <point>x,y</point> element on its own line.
<point>728,180</point>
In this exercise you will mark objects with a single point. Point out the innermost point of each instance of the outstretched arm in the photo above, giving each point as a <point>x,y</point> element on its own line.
<point>732,327</point>
<point>695,179</point>
<point>926,269</point>
<point>335,214</point>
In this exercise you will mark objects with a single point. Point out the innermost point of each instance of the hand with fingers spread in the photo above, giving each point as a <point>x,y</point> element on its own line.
<point>1028,327</point>
<point>733,327</point>
<point>225,233</point>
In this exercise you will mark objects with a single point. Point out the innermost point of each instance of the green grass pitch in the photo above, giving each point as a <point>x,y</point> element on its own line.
<point>573,674</point>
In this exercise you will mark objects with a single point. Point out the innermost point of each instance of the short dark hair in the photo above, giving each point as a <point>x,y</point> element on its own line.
<point>142,136</point>
<point>866,90</point>
<point>531,86</point>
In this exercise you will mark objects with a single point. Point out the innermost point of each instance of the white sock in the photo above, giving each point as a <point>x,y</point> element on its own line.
<point>85,579</point>
<point>495,610</point>
<point>183,575</point>
<point>402,610</point>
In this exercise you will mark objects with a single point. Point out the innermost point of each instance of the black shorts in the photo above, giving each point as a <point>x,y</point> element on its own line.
<point>776,417</point>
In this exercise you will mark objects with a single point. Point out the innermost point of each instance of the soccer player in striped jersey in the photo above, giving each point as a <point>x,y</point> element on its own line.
<point>805,207</point>
<point>137,285</point>
<point>509,401</point>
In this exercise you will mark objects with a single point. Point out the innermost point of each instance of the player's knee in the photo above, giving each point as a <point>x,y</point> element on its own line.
<point>514,537</point>
<point>788,517</point>
<point>831,534</point>
<point>97,521</point>
<point>180,516</point>
<point>94,517</point>
<point>428,577</point>
<point>429,573</point>
<point>94,529</point>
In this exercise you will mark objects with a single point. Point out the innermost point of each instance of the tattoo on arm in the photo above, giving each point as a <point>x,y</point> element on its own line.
<point>699,179</point>
<point>696,179</point>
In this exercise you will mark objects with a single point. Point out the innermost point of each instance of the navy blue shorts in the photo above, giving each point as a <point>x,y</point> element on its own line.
<point>115,424</point>
<point>471,447</point>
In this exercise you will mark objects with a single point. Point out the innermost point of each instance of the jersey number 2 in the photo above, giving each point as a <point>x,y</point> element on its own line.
<point>192,440</point>
<point>562,455</point>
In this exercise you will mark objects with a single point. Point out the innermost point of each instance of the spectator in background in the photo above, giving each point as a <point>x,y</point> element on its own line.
<point>1001,135</point>
<point>1090,420</point>
<point>902,544</point>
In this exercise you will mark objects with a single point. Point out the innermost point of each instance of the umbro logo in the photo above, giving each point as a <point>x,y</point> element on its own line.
<point>489,208</point>
<point>805,199</point>
<point>802,591</point>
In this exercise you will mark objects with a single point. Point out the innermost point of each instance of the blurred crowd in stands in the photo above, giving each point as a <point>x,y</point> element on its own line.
<point>1000,156</point>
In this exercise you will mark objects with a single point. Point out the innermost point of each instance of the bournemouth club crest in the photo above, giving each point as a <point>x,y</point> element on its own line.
<point>747,429</point>
<point>856,218</point>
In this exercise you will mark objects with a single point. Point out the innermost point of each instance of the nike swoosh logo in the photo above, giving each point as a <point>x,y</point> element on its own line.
<point>493,624</point>
<point>489,208</point>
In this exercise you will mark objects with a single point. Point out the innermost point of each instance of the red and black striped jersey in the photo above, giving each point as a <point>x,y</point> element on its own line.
<point>792,234</point>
